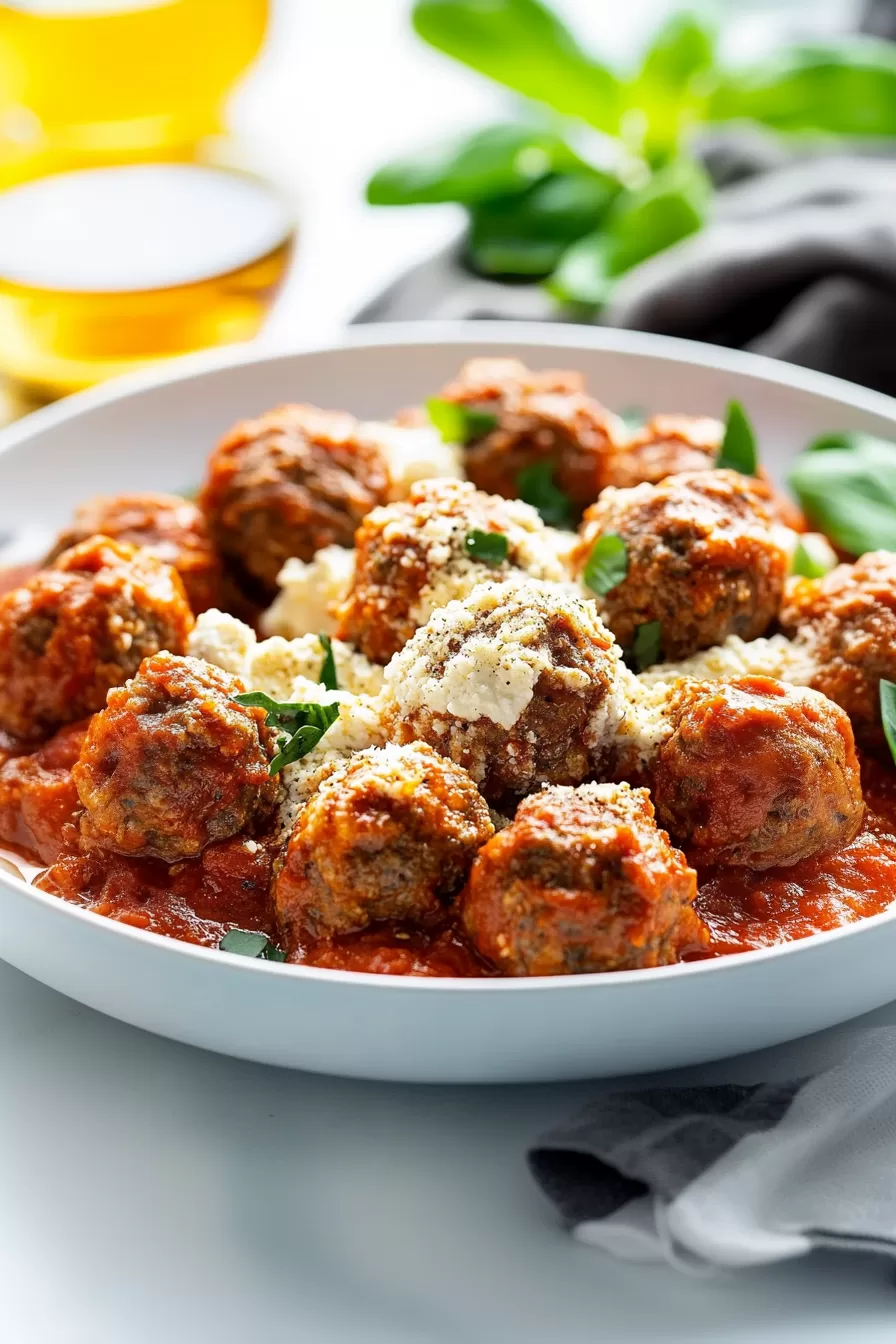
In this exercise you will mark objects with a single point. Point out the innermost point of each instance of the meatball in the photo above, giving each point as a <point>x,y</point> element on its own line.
<point>293,481</point>
<point>848,621</point>
<point>665,446</point>
<point>702,559</point>
<point>171,527</point>
<point>173,763</point>
<point>389,835</point>
<point>37,794</point>
<point>541,417</point>
<point>582,880</point>
<point>757,774</point>
<point>412,557</point>
<point>81,627</point>
<point>516,684</point>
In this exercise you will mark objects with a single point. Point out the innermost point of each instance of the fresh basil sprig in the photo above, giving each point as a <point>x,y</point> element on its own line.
<point>489,547</point>
<point>812,557</point>
<point>537,487</point>
<point>246,943</point>
<point>328,678</point>
<point>738,451</point>
<point>607,564</point>
<point>888,714</point>
<point>299,726</point>
<point>457,423</point>
<point>647,646</point>
<point>846,486</point>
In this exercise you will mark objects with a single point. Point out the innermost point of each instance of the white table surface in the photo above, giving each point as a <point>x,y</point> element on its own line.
<point>152,1193</point>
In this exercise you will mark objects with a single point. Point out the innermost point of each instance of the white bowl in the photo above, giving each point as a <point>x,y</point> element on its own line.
<point>154,432</point>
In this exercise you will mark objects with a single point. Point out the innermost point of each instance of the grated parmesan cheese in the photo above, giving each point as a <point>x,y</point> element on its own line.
<point>220,639</point>
<point>788,660</point>
<point>309,593</point>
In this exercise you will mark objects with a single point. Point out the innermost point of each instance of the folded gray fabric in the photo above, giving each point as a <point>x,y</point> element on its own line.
<point>736,1175</point>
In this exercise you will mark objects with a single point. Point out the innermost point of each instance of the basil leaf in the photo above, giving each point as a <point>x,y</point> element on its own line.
<point>328,678</point>
<point>640,223</point>
<point>246,943</point>
<point>738,450</point>
<point>850,494</point>
<point>523,45</point>
<point>669,89</point>
<point>607,564</point>
<point>647,645</point>
<point>812,557</point>
<point>458,423</point>
<point>847,88</point>
<point>526,235</point>
<point>888,714</point>
<point>494,161</point>
<point>633,417</point>
<point>299,725</point>
<point>489,547</point>
<point>536,486</point>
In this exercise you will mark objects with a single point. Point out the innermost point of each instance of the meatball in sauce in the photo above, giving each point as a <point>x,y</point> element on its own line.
<point>287,484</point>
<point>543,417</point>
<point>413,557</point>
<point>757,774</point>
<point>173,763</point>
<point>169,526</point>
<point>81,627</point>
<point>667,445</point>
<point>702,560</point>
<point>389,836</point>
<point>849,619</point>
<point>582,880</point>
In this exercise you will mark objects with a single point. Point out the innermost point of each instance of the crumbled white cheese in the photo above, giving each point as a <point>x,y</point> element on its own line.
<point>309,593</point>
<point>788,660</point>
<point>412,453</point>
<point>222,640</point>
<point>480,658</point>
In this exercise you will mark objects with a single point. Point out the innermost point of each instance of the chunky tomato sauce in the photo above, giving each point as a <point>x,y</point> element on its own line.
<point>199,900</point>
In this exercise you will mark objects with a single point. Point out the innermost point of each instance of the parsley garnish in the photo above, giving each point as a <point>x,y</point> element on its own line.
<point>244,943</point>
<point>738,451</point>
<point>888,714</point>
<point>489,547</point>
<point>299,727</point>
<point>607,564</point>
<point>458,423</point>
<point>647,645</point>
<point>328,678</point>
<point>536,487</point>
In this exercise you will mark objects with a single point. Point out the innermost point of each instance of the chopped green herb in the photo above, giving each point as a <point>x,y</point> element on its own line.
<point>738,451</point>
<point>846,485</point>
<point>633,417</point>
<point>888,714</point>
<point>489,547</point>
<point>607,563</point>
<point>812,558</point>
<point>245,943</point>
<point>536,487</point>
<point>457,423</point>
<point>328,678</point>
<point>647,645</point>
<point>299,726</point>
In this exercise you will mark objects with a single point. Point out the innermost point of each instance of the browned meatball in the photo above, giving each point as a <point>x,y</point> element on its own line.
<point>169,526</point>
<point>541,417</point>
<point>702,558</point>
<point>287,484</point>
<point>516,684</point>
<point>848,619</point>
<point>581,880</point>
<point>173,763</point>
<point>412,557</point>
<point>665,446</point>
<point>84,625</point>
<point>757,773</point>
<point>391,835</point>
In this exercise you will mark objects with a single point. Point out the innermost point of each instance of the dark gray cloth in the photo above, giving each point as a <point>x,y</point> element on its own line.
<point>733,1175</point>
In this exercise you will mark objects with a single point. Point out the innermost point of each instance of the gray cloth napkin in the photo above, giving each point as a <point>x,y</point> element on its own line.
<point>736,1175</point>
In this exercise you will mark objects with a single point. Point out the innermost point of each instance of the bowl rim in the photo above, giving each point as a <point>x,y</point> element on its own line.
<point>449,333</point>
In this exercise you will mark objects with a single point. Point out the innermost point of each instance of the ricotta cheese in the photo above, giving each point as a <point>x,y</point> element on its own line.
<point>309,593</point>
